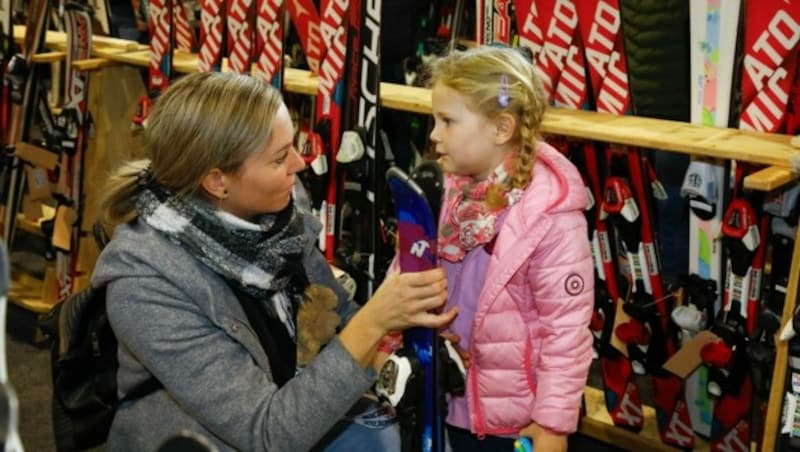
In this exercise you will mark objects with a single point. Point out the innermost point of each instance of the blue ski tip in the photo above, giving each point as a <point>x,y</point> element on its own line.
<point>523,444</point>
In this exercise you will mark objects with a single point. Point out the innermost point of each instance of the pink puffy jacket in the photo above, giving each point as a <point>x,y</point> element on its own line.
<point>531,346</point>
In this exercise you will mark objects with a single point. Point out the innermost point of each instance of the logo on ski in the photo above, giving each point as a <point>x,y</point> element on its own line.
<point>733,440</point>
<point>268,27</point>
<point>630,410</point>
<point>419,247</point>
<point>677,430</point>
<point>765,90</point>
<point>211,47</point>
<point>334,34</point>
<point>241,36</point>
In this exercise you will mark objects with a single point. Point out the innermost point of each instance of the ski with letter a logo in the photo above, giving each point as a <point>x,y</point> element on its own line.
<point>416,201</point>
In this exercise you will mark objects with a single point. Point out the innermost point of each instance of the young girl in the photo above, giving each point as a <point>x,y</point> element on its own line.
<point>513,242</point>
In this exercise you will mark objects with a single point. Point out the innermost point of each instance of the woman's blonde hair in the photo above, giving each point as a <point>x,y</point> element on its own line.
<point>499,80</point>
<point>203,121</point>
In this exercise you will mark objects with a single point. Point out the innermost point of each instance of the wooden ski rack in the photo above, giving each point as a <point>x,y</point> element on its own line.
<point>772,150</point>
<point>112,142</point>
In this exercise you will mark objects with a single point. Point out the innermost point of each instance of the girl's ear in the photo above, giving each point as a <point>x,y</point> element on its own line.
<point>505,126</point>
<point>214,184</point>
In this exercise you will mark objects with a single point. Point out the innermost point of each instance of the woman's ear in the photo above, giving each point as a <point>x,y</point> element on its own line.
<point>215,184</point>
<point>505,126</point>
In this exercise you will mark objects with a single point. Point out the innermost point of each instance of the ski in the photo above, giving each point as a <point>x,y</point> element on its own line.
<point>417,201</point>
<point>74,124</point>
<point>713,35</point>
<point>269,42</point>
<point>240,23</point>
<point>627,207</point>
<point>493,24</point>
<point>184,33</point>
<point>361,162</point>
<point>305,18</point>
<point>162,44</point>
<point>212,35</point>
<point>329,111</point>
<point>22,75</point>
<point>7,47</point>
<point>771,34</point>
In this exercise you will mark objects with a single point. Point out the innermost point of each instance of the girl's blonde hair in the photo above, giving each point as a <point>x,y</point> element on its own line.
<point>203,121</point>
<point>499,80</point>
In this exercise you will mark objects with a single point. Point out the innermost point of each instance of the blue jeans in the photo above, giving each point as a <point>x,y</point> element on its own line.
<point>368,428</point>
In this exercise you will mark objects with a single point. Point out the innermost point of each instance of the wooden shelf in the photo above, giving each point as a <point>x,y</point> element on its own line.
<point>27,292</point>
<point>35,226</point>
<point>597,423</point>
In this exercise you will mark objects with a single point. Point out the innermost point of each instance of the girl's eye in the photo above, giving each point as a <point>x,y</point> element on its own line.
<point>281,160</point>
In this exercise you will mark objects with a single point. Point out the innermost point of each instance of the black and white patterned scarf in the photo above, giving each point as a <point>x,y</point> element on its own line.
<point>262,257</point>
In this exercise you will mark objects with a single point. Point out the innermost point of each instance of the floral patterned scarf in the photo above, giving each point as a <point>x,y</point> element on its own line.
<point>470,222</point>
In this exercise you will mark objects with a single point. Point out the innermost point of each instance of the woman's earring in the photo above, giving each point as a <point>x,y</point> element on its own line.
<point>224,194</point>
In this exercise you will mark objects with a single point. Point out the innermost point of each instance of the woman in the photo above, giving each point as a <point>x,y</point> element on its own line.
<point>207,270</point>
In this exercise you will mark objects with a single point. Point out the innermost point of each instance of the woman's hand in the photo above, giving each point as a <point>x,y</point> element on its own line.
<point>544,439</point>
<point>404,300</point>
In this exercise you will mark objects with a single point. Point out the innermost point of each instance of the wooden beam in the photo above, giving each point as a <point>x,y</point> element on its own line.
<point>136,58</point>
<point>677,136</point>
<point>59,39</point>
<point>48,57</point>
<point>408,98</point>
<point>770,178</point>
<point>117,43</point>
<point>93,64</point>
<point>37,156</point>
<point>299,81</point>
<point>772,424</point>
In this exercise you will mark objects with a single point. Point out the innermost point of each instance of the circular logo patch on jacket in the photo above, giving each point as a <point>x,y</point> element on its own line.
<point>573,284</point>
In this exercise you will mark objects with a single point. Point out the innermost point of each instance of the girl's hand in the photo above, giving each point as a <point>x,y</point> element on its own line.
<point>544,439</point>
<point>405,299</point>
<point>463,353</point>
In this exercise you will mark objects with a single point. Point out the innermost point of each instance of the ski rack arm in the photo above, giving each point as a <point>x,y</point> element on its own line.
<point>770,178</point>
<point>93,64</point>
<point>48,57</point>
<point>101,47</point>
<point>58,39</point>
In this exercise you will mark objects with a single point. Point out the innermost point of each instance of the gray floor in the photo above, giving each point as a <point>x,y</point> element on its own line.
<point>29,373</point>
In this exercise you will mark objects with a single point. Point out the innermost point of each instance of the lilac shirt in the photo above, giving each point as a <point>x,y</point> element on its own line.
<point>464,282</point>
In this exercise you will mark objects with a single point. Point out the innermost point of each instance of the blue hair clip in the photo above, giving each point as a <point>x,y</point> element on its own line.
<point>504,91</point>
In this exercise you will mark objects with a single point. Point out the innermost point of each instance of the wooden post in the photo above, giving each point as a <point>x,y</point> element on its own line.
<point>777,390</point>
